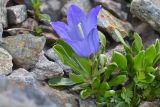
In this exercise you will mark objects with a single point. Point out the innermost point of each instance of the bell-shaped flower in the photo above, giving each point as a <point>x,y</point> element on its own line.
<point>81,32</point>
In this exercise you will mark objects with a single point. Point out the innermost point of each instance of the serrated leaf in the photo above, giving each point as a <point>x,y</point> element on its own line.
<point>117,80</point>
<point>121,104</point>
<point>120,60</point>
<point>127,95</point>
<point>60,81</point>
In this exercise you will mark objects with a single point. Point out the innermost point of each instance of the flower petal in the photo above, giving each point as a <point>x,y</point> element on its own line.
<point>74,17</point>
<point>93,40</point>
<point>61,29</point>
<point>87,46</point>
<point>92,18</point>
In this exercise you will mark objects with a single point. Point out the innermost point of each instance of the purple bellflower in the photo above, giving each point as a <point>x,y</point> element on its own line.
<point>81,32</point>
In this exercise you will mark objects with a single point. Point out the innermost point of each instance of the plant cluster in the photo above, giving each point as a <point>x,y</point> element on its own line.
<point>36,4</point>
<point>125,81</point>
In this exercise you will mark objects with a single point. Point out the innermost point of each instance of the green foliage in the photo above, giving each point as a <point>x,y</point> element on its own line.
<point>141,68</point>
<point>36,6</point>
<point>124,82</point>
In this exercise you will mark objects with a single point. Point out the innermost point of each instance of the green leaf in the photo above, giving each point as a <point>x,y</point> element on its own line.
<point>120,60</point>
<point>60,81</point>
<point>76,78</point>
<point>150,69</point>
<point>150,78</point>
<point>85,93</point>
<point>103,60</point>
<point>157,46</point>
<point>122,104</point>
<point>117,80</point>
<point>44,17</point>
<point>70,58</point>
<point>102,39</point>
<point>66,59</point>
<point>104,86</point>
<point>150,55</point>
<point>96,82</point>
<point>109,93</point>
<point>120,37</point>
<point>137,44</point>
<point>138,60</point>
<point>110,68</point>
<point>67,48</point>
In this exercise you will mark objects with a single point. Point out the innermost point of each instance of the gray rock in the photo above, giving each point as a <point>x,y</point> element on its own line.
<point>113,7</point>
<point>52,55</point>
<point>46,69</point>
<point>16,14</point>
<point>22,95</point>
<point>50,7</point>
<point>85,5</point>
<point>5,62</point>
<point>1,31</point>
<point>147,10</point>
<point>24,48</point>
<point>150,104</point>
<point>65,99</point>
<point>3,13</point>
<point>109,23</point>
<point>30,24</point>
<point>22,77</point>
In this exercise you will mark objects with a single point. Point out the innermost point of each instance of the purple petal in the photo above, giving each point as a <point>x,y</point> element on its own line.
<point>93,40</point>
<point>74,17</point>
<point>87,46</point>
<point>92,18</point>
<point>61,29</point>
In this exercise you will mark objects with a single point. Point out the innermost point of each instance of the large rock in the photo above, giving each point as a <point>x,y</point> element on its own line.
<point>65,99</point>
<point>22,95</point>
<point>16,14</point>
<point>22,77</point>
<point>109,23</point>
<point>3,12</point>
<point>147,10</point>
<point>150,104</point>
<point>5,62</point>
<point>85,5</point>
<point>1,31</point>
<point>114,7</point>
<point>24,48</point>
<point>46,69</point>
<point>52,55</point>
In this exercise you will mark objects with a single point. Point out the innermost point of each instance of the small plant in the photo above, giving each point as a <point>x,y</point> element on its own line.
<point>140,66</point>
<point>124,82</point>
<point>38,15</point>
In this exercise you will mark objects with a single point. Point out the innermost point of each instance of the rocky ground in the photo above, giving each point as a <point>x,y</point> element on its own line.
<point>27,61</point>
